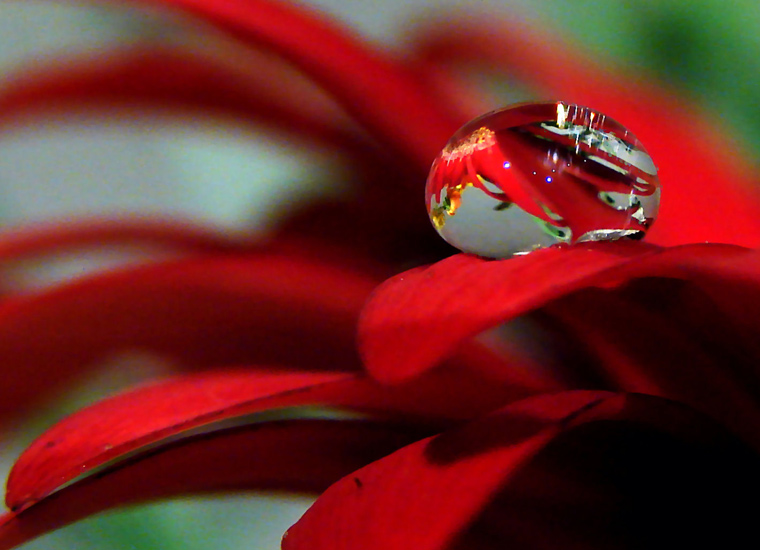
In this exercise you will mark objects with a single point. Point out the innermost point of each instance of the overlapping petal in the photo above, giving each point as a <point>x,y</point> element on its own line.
<point>382,94</point>
<point>639,348</point>
<point>548,457</point>
<point>162,77</point>
<point>418,317</point>
<point>259,308</point>
<point>300,456</point>
<point>111,428</point>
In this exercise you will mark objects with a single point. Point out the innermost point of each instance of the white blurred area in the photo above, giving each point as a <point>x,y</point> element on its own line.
<point>217,173</point>
<point>220,174</point>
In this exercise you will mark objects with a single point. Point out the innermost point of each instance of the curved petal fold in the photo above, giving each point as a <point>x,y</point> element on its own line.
<point>126,422</point>
<point>121,424</point>
<point>607,469</point>
<point>299,456</point>
<point>417,318</point>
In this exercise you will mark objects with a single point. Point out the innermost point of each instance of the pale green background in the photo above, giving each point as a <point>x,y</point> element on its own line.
<point>709,49</point>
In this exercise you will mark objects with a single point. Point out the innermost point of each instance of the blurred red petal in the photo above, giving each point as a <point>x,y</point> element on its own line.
<point>417,318</point>
<point>264,308</point>
<point>709,187</point>
<point>118,425</point>
<point>302,456</point>
<point>425,496</point>
<point>182,81</point>
<point>383,95</point>
<point>53,237</point>
<point>361,227</point>
<point>113,427</point>
<point>253,91</point>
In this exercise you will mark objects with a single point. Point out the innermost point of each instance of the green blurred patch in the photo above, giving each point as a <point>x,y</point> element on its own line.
<point>708,49</point>
<point>231,522</point>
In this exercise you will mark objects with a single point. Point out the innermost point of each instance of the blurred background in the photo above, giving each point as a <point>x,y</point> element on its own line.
<point>709,50</point>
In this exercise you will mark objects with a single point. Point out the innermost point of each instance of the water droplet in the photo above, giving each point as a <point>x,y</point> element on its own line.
<point>539,174</point>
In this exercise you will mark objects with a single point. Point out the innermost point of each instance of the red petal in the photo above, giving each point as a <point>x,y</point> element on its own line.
<point>364,229</point>
<point>640,349</point>
<point>424,495</point>
<point>507,363</point>
<point>643,349</point>
<point>421,316</point>
<point>295,456</point>
<point>121,424</point>
<point>417,318</point>
<point>255,91</point>
<point>701,168</point>
<point>268,308</point>
<point>162,77</point>
<point>382,94</point>
<point>126,422</point>
<point>51,237</point>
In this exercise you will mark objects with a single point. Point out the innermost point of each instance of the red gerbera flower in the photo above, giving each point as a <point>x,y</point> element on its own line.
<point>640,428</point>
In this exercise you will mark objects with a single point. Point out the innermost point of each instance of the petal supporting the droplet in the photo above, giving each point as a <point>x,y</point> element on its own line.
<point>199,312</point>
<point>417,318</point>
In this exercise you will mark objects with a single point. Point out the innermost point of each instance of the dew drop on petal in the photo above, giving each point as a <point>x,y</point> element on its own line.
<point>539,174</point>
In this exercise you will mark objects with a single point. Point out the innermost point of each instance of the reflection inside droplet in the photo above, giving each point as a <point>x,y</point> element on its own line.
<point>538,174</point>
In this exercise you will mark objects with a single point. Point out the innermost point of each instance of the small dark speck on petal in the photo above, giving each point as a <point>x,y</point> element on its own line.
<point>358,482</point>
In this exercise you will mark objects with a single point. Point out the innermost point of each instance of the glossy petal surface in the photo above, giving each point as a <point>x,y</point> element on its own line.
<point>417,318</point>
<point>118,425</point>
<point>301,456</point>
<point>124,423</point>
